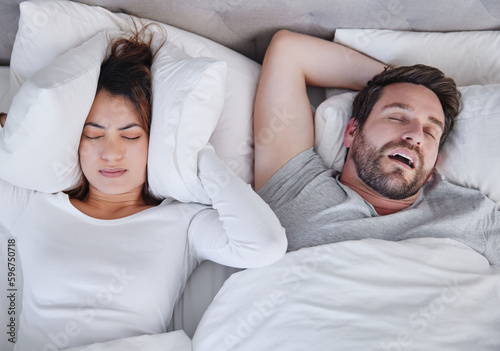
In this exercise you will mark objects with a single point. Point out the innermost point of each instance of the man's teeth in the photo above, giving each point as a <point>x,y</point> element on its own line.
<point>410,161</point>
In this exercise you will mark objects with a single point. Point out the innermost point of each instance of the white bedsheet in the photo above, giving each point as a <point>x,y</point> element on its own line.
<point>419,294</point>
<point>174,341</point>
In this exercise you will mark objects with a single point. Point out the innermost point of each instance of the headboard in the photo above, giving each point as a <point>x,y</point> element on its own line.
<point>247,26</point>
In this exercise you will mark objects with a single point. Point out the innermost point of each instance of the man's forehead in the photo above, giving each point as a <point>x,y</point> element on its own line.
<point>413,95</point>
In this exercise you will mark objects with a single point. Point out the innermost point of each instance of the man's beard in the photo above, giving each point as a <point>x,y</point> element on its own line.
<point>390,184</point>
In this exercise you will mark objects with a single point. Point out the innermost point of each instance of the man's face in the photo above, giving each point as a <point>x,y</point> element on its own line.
<point>396,151</point>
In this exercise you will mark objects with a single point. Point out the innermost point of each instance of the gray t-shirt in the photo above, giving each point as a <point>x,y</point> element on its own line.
<point>315,209</point>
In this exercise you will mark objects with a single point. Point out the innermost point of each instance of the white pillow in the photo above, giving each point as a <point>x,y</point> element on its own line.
<point>39,143</point>
<point>469,156</point>
<point>330,121</point>
<point>188,100</point>
<point>49,28</point>
<point>469,57</point>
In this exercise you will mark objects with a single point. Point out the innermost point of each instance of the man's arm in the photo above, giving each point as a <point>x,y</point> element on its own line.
<point>283,120</point>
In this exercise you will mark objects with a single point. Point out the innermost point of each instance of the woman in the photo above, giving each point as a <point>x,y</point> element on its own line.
<point>108,260</point>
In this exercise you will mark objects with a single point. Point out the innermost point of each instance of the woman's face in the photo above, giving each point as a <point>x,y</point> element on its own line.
<point>114,146</point>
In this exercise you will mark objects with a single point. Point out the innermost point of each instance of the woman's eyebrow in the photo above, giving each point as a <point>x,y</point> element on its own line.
<point>92,124</point>
<point>128,126</point>
<point>131,125</point>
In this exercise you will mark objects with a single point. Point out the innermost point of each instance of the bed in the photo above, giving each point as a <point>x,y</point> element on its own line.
<point>425,294</point>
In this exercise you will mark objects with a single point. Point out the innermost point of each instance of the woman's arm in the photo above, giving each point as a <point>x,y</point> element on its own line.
<point>13,203</point>
<point>283,120</point>
<point>241,230</point>
<point>13,200</point>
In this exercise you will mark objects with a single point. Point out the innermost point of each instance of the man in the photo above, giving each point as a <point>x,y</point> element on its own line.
<point>388,188</point>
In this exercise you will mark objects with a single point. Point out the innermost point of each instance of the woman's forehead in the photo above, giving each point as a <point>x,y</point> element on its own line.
<point>108,110</point>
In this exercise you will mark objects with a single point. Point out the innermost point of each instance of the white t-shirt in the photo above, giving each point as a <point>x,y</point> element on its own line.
<point>88,280</point>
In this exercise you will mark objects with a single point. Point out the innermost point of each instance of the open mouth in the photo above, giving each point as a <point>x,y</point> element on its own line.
<point>403,159</point>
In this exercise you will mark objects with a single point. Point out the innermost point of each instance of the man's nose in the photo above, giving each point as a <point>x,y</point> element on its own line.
<point>414,133</point>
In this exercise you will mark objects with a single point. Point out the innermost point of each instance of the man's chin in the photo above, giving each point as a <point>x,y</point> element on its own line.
<point>395,187</point>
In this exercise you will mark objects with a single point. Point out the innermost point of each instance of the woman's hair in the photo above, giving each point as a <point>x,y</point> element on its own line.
<point>3,118</point>
<point>127,72</point>
<point>429,77</point>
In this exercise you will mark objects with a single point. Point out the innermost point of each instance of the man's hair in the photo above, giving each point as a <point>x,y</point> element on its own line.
<point>127,72</point>
<point>432,78</point>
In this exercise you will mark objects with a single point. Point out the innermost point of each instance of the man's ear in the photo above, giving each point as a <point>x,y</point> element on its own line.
<point>350,131</point>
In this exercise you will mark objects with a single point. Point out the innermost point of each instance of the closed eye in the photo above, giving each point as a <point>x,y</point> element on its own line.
<point>92,138</point>
<point>131,138</point>
<point>430,134</point>
<point>399,119</point>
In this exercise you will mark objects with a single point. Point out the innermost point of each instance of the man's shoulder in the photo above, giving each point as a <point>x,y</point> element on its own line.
<point>440,187</point>
<point>302,176</point>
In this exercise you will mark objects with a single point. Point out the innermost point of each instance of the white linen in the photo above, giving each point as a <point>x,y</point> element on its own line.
<point>174,341</point>
<point>39,143</point>
<point>188,97</point>
<point>469,57</point>
<point>418,294</point>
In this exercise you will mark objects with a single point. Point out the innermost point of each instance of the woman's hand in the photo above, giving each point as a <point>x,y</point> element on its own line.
<point>243,231</point>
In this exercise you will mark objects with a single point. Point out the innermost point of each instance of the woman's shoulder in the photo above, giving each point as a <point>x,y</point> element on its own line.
<point>188,208</point>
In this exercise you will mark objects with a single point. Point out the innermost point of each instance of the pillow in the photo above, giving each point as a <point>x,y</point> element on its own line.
<point>468,57</point>
<point>47,29</point>
<point>72,23</point>
<point>188,100</point>
<point>470,155</point>
<point>49,110</point>
<point>468,158</point>
<point>330,121</point>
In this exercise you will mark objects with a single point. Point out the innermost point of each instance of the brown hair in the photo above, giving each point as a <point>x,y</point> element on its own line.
<point>432,78</point>
<point>3,118</point>
<point>127,72</point>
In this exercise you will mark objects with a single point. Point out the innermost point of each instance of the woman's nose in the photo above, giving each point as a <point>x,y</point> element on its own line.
<point>112,150</point>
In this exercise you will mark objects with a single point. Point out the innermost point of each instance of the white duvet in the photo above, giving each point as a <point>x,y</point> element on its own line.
<point>173,341</point>
<point>419,294</point>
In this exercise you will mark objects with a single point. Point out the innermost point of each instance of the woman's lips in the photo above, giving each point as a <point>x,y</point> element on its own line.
<point>112,172</point>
